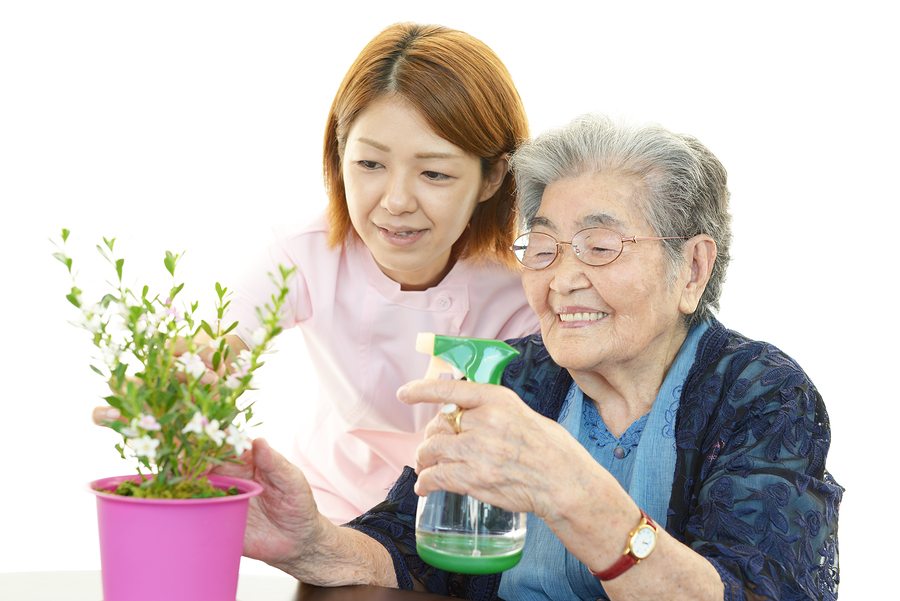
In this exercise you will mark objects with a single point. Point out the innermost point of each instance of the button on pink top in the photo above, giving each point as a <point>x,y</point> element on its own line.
<point>360,331</point>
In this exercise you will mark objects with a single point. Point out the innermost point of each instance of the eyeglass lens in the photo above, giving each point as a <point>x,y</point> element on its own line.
<point>594,246</point>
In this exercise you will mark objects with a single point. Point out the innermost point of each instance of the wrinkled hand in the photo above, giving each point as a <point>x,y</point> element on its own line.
<point>506,454</point>
<point>283,520</point>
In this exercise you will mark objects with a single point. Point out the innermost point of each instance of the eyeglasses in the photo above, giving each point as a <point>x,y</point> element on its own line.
<point>595,246</point>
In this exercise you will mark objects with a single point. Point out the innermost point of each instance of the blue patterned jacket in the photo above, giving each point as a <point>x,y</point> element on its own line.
<point>750,492</point>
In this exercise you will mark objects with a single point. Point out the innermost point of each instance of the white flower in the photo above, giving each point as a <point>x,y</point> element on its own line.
<point>143,446</point>
<point>171,312</point>
<point>141,325</point>
<point>117,310</point>
<point>258,337</point>
<point>215,434</point>
<point>196,424</point>
<point>201,425</point>
<point>145,422</point>
<point>117,326</point>
<point>241,365</point>
<point>111,354</point>
<point>92,322</point>
<point>130,431</point>
<point>232,382</point>
<point>192,364</point>
<point>160,324</point>
<point>123,309</point>
<point>237,439</point>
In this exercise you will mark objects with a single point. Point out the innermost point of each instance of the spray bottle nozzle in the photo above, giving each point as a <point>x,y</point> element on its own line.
<point>478,359</point>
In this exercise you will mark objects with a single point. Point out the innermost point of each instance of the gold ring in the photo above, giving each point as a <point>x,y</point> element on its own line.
<point>453,413</point>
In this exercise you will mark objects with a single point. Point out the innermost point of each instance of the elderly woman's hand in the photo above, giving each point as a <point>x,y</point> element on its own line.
<point>286,530</point>
<point>505,453</point>
<point>283,520</point>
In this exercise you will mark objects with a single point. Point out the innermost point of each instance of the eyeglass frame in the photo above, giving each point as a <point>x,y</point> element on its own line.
<point>622,241</point>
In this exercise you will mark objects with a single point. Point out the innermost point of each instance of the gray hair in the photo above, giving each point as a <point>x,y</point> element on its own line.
<point>687,191</point>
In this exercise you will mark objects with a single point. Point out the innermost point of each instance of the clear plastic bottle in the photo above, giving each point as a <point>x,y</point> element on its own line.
<point>454,532</point>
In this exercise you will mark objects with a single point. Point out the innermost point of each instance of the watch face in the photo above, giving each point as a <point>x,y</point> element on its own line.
<point>642,542</point>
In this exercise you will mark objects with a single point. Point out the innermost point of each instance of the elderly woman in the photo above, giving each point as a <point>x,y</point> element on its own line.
<point>659,454</point>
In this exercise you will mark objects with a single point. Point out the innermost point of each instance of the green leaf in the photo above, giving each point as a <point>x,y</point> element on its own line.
<point>65,234</point>
<point>107,299</point>
<point>286,272</point>
<point>62,258</point>
<point>231,327</point>
<point>175,290</point>
<point>114,401</point>
<point>220,291</point>
<point>109,242</point>
<point>119,372</point>
<point>170,261</point>
<point>97,371</point>
<point>217,360</point>
<point>207,328</point>
<point>73,297</point>
<point>119,263</point>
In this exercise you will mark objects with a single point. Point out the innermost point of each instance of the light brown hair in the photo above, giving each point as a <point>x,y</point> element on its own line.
<point>463,92</point>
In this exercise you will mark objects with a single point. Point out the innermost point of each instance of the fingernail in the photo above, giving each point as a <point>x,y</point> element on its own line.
<point>112,413</point>
<point>401,392</point>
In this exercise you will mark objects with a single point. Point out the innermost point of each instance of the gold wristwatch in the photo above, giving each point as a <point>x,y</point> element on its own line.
<point>641,542</point>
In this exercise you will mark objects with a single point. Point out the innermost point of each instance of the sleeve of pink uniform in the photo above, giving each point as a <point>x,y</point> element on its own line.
<point>521,323</point>
<point>254,289</point>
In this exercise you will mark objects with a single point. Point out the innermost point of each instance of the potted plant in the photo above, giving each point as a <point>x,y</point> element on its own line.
<point>171,530</point>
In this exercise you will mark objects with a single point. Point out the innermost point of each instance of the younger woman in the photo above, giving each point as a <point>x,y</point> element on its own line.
<point>415,238</point>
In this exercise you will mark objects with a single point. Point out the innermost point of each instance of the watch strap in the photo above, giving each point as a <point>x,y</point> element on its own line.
<point>627,560</point>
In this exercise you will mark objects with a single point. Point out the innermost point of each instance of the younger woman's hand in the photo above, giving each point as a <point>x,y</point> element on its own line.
<point>104,415</point>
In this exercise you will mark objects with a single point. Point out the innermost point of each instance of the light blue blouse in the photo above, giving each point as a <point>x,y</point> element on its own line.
<point>643,465</point>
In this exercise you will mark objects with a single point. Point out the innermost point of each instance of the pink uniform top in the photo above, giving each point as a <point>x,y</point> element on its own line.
<point>360,331</point>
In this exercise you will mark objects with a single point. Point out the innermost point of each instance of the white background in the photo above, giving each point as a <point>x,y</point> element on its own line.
<point>196,126</point>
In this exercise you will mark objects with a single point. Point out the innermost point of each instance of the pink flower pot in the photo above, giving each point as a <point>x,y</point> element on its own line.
<point>171,549</point>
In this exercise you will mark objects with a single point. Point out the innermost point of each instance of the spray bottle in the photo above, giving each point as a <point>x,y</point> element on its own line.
<point>459,533</point>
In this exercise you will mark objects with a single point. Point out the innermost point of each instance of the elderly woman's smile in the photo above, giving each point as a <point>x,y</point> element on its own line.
<point>576,317</point>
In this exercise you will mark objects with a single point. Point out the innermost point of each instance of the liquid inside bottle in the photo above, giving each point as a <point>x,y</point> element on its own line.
<point>461,534</point>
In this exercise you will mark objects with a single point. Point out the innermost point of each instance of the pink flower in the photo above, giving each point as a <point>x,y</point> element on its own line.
<point>145,422</point>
